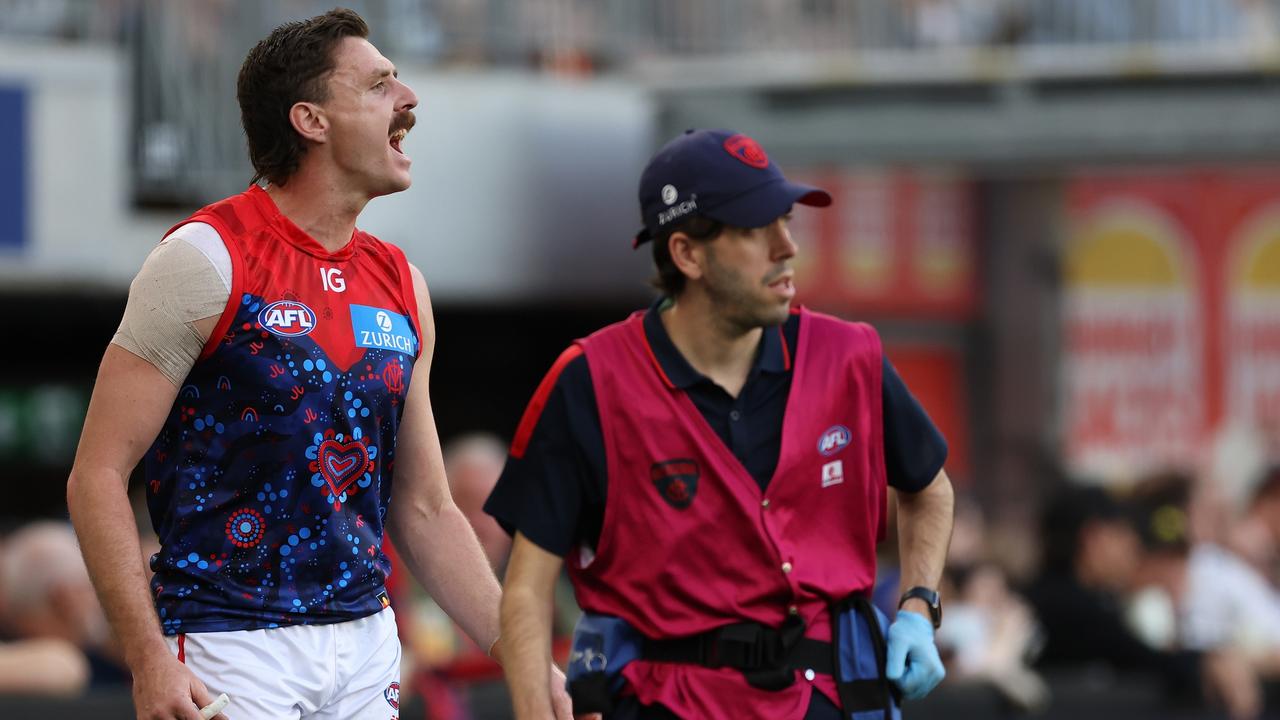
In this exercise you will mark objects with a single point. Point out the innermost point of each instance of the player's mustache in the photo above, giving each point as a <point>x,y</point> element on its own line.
<point>403,121</point>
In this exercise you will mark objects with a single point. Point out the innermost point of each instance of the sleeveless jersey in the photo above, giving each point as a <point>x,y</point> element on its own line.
<point>269,482</point>
<point>690,542</point>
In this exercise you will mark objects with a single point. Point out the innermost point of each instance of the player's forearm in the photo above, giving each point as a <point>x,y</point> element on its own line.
<point>108,536</point>
<point>924,533</point>
<point>443,553</point>
<point>526,641</point>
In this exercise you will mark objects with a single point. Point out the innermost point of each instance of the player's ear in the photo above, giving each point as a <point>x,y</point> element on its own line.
<point>309,121</point>
<point>688,255</point>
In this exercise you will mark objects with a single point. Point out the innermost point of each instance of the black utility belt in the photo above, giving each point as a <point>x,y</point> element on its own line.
<point>750,647</point>
<point>769,657</point>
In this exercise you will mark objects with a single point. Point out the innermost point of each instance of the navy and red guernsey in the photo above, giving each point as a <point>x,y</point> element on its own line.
<point>270,481</point>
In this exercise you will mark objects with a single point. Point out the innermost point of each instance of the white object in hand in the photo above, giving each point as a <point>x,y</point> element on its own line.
<point>215,707</point>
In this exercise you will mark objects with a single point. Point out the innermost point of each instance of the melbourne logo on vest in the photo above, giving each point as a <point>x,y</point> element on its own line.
<point>835,439</point>
<point>676,480</point>
<point>287,318</point>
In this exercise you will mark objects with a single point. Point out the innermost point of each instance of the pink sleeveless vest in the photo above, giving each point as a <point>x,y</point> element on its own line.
<point>691,543</point>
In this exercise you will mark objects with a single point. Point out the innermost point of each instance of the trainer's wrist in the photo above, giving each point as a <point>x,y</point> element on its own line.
<point>917,606</point>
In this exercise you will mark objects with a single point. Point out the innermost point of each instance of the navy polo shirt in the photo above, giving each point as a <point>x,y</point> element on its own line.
<point>555,492</point>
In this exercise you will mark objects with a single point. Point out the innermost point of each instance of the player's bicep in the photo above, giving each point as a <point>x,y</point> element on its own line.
<point>174,305</point>
<point>421,490</point>
<point>426,320</point>
<point>130,402</point>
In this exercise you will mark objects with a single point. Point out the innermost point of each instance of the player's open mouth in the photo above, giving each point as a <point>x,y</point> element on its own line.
<point>783,286</point>
<point>397,137</point>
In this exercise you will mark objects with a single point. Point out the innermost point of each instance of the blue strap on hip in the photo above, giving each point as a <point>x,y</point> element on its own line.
<point>865,693</point>
<point>602,646</point>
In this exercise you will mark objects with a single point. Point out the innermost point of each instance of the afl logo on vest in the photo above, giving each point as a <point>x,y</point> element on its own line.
<point>287,318</point>
<point>835,439</point>
<point>676,480</point>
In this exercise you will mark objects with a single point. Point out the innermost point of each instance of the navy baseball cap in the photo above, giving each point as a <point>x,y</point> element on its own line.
<point>719,174</point>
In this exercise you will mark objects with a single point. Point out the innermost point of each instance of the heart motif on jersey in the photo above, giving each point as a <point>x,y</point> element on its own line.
<point>341,464</point>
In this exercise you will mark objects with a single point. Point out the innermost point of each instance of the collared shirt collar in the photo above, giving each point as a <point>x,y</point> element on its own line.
<point>770,357</point>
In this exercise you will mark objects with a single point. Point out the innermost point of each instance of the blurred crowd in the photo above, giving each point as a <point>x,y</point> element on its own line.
<point>597,34</point>
<point>1164,580</point>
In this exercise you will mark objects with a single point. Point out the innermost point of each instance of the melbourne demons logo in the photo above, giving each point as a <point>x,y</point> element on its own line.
<point>747,150</point>
<point>835,439</point>
<point>287,318</point>
<point>676,480</point>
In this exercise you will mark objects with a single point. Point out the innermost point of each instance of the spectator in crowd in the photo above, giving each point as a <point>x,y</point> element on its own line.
<point>1092,555</point>
<point>46,666</point>
<point>1217,601</point>
<point>1256,535</point>
<point>473,464</point>
<point>45,594</point>
<point>990,632</point>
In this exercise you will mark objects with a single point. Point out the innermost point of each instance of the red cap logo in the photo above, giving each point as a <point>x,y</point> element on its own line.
<point>747,150</point>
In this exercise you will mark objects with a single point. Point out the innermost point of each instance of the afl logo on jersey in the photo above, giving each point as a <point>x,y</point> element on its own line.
<point>287,318</point>
<point>835,439</point>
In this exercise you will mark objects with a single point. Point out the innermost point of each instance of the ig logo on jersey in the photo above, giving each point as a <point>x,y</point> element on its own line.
<point>287,318</point>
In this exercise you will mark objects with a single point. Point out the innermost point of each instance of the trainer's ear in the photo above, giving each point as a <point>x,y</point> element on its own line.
<point>687,254</point>
<point>310,121</point>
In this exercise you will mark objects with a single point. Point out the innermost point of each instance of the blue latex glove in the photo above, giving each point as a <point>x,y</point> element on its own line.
<point>913,663</point>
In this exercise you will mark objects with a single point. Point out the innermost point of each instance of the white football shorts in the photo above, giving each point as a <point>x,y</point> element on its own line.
<point>343,671</point>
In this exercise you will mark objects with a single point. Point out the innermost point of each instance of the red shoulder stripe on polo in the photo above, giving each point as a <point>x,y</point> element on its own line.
<point>533,412</point>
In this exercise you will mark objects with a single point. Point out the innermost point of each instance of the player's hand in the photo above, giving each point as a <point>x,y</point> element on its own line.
<point>561,705</point>
<point>913,663</point>
<point>165,689</point>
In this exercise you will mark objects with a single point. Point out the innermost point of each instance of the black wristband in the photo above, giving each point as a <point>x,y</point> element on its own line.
<point>930,597</point>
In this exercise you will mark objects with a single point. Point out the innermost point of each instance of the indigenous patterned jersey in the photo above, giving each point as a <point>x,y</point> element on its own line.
<point>269,483</point>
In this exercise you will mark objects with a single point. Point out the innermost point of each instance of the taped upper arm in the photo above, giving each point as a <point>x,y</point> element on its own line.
<point>184,282</point>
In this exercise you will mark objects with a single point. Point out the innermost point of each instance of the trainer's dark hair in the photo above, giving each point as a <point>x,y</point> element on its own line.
<point>669,280</point>
<point>289,66</point>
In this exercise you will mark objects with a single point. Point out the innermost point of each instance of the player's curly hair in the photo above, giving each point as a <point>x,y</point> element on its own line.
<point>668,279</point>
<point>289,66</point>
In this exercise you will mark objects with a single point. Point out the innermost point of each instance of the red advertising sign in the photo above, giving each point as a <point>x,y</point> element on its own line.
<point>1171,326</point>
<point>894,242</point>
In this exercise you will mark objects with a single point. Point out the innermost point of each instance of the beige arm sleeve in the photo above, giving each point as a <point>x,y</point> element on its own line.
<point>185,279</point>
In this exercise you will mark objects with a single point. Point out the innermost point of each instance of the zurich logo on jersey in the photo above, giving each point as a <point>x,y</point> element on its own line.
<point>288,318</point>
<point>375,327</point>
<point>835,439</point>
